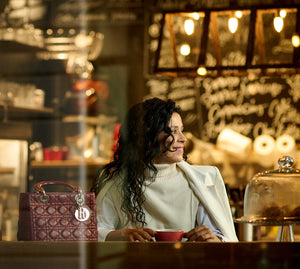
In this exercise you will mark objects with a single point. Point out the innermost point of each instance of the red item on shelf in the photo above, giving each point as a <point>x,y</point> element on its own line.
<point>116,136</point>
<point>56,153</point>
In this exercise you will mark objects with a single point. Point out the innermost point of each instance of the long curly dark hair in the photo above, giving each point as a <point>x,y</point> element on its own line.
<point>137,146</point>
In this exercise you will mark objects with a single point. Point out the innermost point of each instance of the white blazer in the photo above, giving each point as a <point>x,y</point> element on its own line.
<point>208,186</point>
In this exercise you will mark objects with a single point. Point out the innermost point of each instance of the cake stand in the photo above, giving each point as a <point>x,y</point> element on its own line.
<point>285,230</point>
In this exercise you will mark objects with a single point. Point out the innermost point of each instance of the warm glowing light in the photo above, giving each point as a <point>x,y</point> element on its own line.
<point>49,31</point>
<point>278,24</point>
<point>296,40</point>
<point>178,245</point>
<point>189,26</point>
<point>88,153</point>
<point>239,14</point>
<point>201,71</point>
<point>282,13</point>
<point>185,49</point>
<point>233,24</point>
<point>196,16</point>
<point>90,92</point>
<point>82,41</point>
<point>62,56</point>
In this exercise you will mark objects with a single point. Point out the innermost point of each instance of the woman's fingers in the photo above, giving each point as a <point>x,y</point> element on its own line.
<point>141,234</point>
<point>135,236</point>
<point>150,231</point>
<point>201,233</point>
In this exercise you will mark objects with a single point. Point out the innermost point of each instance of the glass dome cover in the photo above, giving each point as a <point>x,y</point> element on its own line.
<point>274,195</point>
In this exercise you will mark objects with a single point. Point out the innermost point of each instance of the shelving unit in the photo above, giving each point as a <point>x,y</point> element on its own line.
<point>7,170</point>
<point>8,112</point>
<point>17,109</point>
<point>120,65</point>
<point>65,164</point>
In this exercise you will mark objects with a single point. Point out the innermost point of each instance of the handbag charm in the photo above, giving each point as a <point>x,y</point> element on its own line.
<point>82,212</point>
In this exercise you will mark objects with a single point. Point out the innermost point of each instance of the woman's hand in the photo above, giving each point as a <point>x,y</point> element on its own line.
<point>201,233</point>
<point>132,235</point>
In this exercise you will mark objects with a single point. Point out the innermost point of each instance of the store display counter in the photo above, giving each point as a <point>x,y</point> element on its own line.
<point>137,255</point>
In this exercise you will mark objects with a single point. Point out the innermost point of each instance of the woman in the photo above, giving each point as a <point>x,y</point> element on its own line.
<point>150,186</point>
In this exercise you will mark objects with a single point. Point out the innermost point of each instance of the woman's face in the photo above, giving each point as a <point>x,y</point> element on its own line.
<point>177,147</point>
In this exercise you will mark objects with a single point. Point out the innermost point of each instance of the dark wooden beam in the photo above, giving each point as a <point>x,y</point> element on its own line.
<point>161,32</point>
<point>251,38</point>
<point>296,55</point>
<point>204,40</point>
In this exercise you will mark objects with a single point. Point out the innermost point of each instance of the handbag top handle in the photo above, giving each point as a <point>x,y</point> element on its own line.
<point>39,186</point>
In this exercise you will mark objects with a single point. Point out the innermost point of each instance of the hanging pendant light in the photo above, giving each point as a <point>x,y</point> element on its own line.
<point>278,23</point>
<point>282,13</point>
<point>189,26</point>
<point>195,16</point>
<point>238,14</point>
<point>201,71</point>
<point>233,24</point>
<point>185,49</point>
<point>296,40</point>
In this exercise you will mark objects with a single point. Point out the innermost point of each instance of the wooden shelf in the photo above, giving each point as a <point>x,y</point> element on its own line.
<point>101,119</point>
<point>17,109</point>
<point>7,170</point>
<point>11,46</point>
<point>66,163</point>
<point>15,113</point>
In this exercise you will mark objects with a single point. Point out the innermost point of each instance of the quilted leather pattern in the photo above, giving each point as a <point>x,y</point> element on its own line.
<point>55,220</point>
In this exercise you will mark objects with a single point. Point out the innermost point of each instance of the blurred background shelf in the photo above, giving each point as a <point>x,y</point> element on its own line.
<point>14,113</point>
<point>11,108</point>
<point>7,170</point>
<point>66,163</point>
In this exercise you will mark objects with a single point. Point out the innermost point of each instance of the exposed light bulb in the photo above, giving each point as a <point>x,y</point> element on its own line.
<point>189,26</point>
<point>278,24</point>
<point>201,71</point>
<point>282,13</point>
<point>196,16</point>
<point>296,40</point>
<point>233,24</point>
<point>185,49</point>
<point>239,14</point>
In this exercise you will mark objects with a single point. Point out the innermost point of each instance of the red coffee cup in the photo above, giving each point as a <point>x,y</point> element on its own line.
<point>170,235</point>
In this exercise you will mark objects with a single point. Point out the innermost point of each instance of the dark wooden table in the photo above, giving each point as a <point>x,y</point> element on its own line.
<point>86,255</point>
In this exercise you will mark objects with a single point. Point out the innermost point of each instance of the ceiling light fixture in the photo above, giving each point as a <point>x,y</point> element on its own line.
<point>189,26</point>
<point>296,40</point>
<point>202,71</point>
<point>233,24</point>
<point>282,13</point>
<point>196,16</point>
<point>185,49</point>
<point>278,23</point>
<point>239,14</point>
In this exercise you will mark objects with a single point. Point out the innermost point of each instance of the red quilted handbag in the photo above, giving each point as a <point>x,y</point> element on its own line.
<point>57,216</point>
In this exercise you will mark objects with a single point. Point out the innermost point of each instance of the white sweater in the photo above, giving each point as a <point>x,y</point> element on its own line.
<point>170,202</point>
